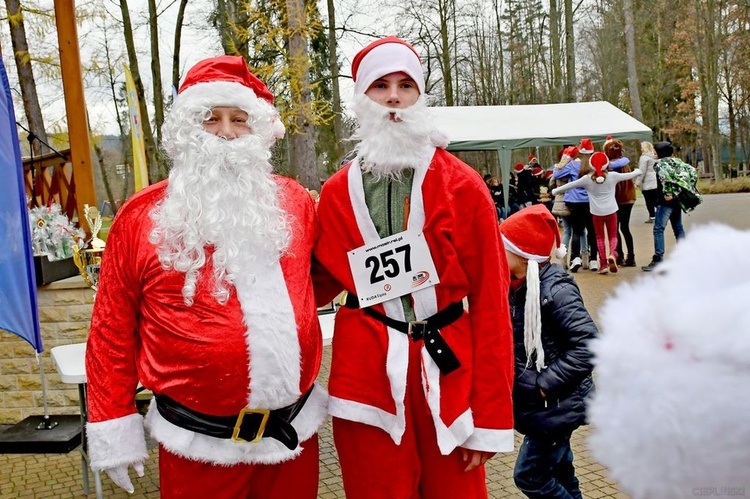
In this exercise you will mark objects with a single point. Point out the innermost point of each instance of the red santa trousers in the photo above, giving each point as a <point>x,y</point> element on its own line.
<point>373,466</point>
<point>186,479</point>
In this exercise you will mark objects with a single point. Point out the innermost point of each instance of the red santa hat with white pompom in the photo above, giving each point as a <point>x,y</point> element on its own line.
<point>226,81</point>
<point>532,233</point>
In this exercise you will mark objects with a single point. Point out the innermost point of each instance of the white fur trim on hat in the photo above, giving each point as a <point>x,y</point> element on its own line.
<point>517,251</point>
<point>386,59</point>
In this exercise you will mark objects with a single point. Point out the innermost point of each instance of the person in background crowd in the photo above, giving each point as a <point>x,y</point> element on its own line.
<point>421,389</point>
<point>578,203</point>
<point>625,197</point>
<point>206,298</point>
<point>524,185</point>
<point>668,170</point>
<point>647,181</point>
<point>551,330</point>
<point>600,185</point>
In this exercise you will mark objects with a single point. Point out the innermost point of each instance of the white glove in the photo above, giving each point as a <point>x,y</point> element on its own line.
<point>120,475</point>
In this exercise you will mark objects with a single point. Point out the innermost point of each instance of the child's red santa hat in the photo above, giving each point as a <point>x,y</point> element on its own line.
<point>532,233</point>
<point>383,57</point>
<point>519,167</point>
<point>226,81</point>
<point>533,159</point>
<point>537,171</point>
<point>586,146</point>
<point>599,162</point>
<point>571,152</point>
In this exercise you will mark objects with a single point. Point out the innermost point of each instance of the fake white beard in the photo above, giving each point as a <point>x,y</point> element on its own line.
<point>388,147</point>
<point>221,194</point>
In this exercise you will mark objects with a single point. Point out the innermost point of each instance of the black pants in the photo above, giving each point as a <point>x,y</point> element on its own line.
<point>623,227</point>
<point>580,220</point>
<point>650,196</point>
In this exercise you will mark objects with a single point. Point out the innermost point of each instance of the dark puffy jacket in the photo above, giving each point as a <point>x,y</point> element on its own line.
<point>566,380</point>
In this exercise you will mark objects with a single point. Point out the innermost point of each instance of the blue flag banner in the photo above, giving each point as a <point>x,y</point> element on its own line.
<point>18,306</point>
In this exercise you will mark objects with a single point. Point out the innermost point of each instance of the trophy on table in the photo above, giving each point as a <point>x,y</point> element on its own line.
<point>89,261</point>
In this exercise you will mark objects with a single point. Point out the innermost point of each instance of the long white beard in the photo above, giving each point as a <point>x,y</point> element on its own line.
<point>222,194</point>
<point>388,147</point>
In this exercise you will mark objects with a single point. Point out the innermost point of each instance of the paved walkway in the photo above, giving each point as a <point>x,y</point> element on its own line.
<point>59,476</point>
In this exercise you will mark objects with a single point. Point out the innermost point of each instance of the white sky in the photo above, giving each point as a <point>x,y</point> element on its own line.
<point>199,41</point>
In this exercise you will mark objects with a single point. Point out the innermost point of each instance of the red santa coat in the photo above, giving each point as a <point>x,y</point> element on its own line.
<point>471,407</point>
<point>261,350</point>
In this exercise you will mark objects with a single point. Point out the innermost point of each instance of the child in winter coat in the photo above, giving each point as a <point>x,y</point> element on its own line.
<point>551,331</point>
<point>600,185</point>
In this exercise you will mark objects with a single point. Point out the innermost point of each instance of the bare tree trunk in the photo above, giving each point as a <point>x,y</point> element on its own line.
<point>445,52</point>
<point>501,55</point>
<point>302,137</point>
<point>635,95</point>
<point>333,64</point>
<point>570,53</point>
<point>230,18</point>
<point>156,173</point>
<point>177,45</point>
<point>26,76</point>
<point>156,69</point>
<point>554,35</point>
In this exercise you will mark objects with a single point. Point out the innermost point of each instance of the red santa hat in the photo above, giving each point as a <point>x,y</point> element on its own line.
<point>599,162</point>
<point>586,146</point>
<point>547,174</point>
<point>537,171</point>
<point>519,167</point>
<point>383,57</point>
<point>533,159</point>
<point>531,233</point>
<point>571,152</point>
<point>226,81</point>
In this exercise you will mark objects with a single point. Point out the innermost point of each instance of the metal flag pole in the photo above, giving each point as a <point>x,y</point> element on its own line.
<point>47,423</point>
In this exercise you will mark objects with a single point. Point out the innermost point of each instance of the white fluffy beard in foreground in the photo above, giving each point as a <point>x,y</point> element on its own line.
<point>387,146</point>
<point>670,416</point>
<point>221,194</point>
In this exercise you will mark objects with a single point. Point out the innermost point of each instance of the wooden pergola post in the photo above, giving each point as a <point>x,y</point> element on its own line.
<point>75,107</point>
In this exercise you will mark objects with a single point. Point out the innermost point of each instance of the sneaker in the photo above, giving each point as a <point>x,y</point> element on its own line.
<point>575,264</point>
<point>629,261</point>
<point>603,270</point>
<point>612,264</point>
<point>651,266</point>
<point>594,265</point>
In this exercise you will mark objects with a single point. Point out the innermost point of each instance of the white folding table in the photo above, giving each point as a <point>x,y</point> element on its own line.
<point>70,363</point>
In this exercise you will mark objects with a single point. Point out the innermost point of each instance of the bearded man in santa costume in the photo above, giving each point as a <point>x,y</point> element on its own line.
<point>206,298</point>
<point>420,387</point>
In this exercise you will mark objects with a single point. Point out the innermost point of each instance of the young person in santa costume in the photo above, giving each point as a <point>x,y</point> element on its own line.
<point>206,298</point>
<point>420,388</point>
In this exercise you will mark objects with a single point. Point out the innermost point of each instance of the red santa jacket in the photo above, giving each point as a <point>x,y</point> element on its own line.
<point>261,350</point>
<point>471,406</point>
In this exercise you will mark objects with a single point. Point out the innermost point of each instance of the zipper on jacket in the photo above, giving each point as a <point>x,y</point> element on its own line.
<point>390,221</point>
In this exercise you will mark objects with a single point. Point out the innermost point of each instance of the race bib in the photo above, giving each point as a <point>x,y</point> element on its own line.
<point>392,267</point>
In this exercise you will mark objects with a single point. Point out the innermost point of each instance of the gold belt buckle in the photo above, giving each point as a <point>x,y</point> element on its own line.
<point>261,429</point>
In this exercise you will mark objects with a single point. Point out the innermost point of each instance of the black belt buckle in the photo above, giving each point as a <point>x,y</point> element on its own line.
<point>417,330</point>
<point>262,414</point>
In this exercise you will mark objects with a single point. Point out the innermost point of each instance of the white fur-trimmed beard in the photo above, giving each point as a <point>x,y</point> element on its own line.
<point>388,147</point>
<point>221,194</point>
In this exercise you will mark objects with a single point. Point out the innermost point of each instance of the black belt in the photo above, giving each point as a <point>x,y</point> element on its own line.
<point>250,425</point>
<point>428,330</point>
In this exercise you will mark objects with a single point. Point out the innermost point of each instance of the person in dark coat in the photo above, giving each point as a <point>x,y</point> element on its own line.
<point>553,376</point>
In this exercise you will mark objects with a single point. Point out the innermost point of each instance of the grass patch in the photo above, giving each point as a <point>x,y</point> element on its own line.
<point>726,186</point>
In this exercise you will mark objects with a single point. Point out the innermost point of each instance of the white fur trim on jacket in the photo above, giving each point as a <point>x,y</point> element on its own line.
<point>272,336</point>
<point>221,451</point>
<point>116,442</point>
